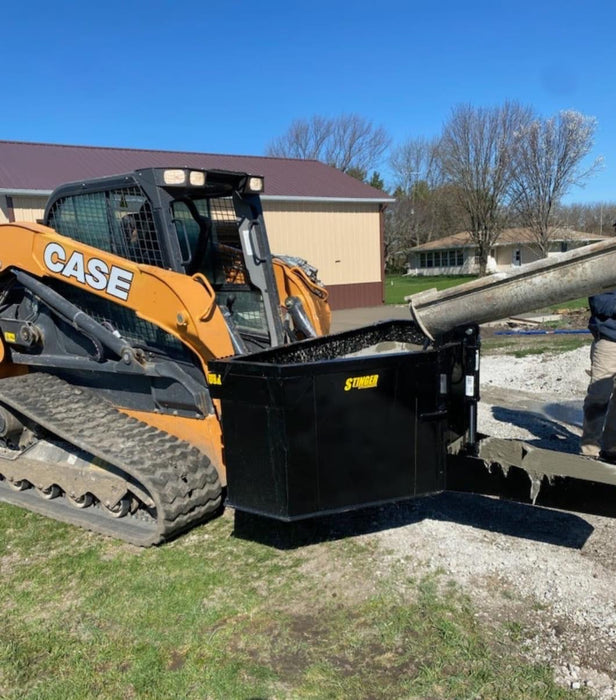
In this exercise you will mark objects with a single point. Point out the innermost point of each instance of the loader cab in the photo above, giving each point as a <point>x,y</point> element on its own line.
<point>197,222</point>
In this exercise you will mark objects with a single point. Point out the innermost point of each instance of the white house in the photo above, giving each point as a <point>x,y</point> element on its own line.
<point>457,254</point>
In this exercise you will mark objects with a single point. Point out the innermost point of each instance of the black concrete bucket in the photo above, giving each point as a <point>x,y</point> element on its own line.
<point>340,422</point>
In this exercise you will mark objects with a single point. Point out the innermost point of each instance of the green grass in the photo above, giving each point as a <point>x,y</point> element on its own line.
<point>399,286</point>
<point>523,346</point>
<point>571,305</point>
<point>212,615</point>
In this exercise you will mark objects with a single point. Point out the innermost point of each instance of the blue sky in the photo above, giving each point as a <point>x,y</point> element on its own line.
<point>228,76</point>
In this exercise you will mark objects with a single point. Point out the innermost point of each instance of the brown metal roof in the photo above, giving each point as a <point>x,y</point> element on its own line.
<point>510,236</point>
<point>43,166</point>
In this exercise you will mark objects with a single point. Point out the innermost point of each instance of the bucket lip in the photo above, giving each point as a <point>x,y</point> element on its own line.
<point>362,364</point>
<point>279,355</point>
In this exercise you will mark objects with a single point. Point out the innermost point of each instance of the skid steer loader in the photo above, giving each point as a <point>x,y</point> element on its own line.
<point>154,355</point>
<point>110,312</point>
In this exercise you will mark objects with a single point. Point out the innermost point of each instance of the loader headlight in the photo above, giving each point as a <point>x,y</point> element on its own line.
<point>255,184</point>
<point>174,177</point>
<point>197,178</point>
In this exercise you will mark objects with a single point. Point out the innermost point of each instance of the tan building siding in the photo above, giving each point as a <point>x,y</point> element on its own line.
<point>29,208</point>
<point>341,240</point>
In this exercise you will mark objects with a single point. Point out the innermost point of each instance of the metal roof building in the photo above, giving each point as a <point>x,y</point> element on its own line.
<point>311,210</point>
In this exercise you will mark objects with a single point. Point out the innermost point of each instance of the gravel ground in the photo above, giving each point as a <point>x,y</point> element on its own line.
<point>548,574</point>
<point>552,386</point>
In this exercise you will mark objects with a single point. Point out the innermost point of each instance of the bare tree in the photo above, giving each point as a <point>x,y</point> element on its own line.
<point>475,153</point>
<point>425,207</point>
<point>408,223</point>
<point>348,142</point>
<point>548,157</point>
<point>305,138</point>
<point>596,218</point>
<point>419,216</point>
<point>414,161</point>
<point>398,238</point>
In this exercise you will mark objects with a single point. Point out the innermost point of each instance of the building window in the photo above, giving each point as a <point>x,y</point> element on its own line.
<point>441,258</point>
<point>456,258</point>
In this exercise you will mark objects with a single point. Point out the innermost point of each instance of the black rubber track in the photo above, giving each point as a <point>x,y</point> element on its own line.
<point>182,482</point>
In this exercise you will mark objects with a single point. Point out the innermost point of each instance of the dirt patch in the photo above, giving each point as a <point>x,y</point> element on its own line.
<point>342,580</point>
<point>176,661</point>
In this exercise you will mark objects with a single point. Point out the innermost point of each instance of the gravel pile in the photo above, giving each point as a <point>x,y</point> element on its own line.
<point>550,572</point>
<point>560,374</point>
<point>549,387</point>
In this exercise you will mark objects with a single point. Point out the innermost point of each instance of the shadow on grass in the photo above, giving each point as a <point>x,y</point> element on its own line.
<point>515,519</point>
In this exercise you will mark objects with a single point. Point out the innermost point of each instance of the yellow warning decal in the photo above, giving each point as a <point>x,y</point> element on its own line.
<point>214,378</point>
<point>10,337</point>
<point>367,382</point>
